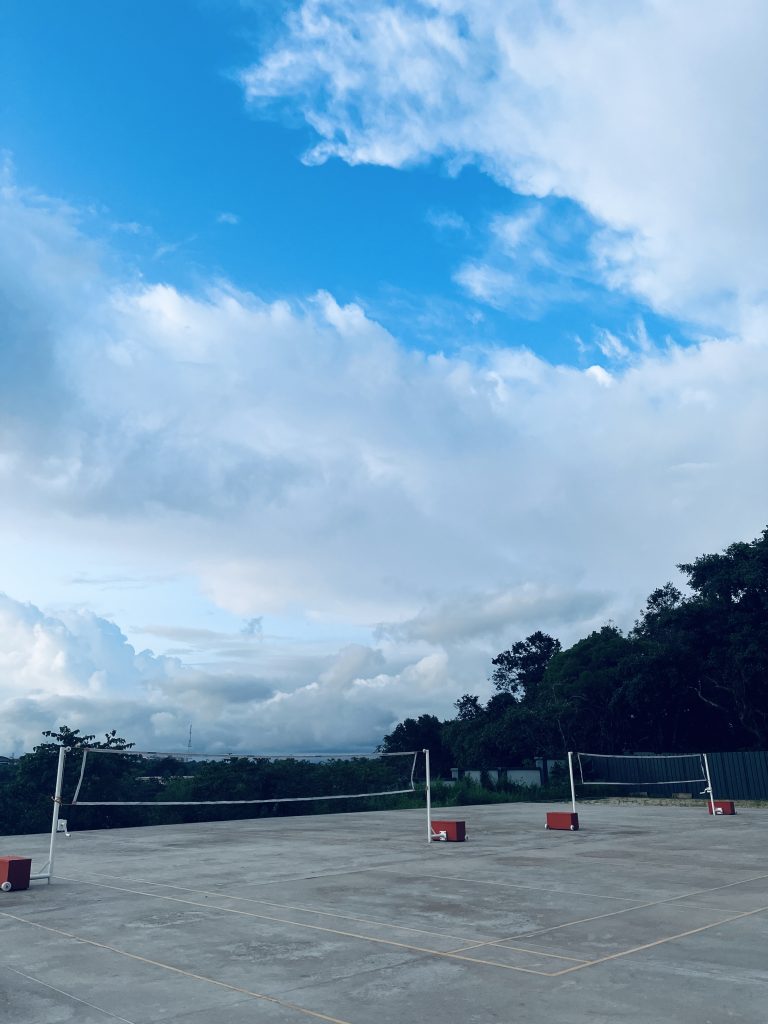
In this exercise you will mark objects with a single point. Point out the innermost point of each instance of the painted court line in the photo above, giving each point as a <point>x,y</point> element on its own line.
<point>178,970</point>
<point>459,954</point>
<point>536,888</point>
<point>278,879</point>
<point>351,870</point>
<point>68,995</point>
<point>320,928</point>
<point>289,906</point>
<point>625,910</point>
<point>502,944</point>
<point>658,942</point>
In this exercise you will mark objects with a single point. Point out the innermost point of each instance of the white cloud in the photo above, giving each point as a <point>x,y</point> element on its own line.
<point>648,114</point>
<point>611,346</point>
<point>130,227</point>
<point>66,669</point>
<point>599,374</point>
<point>499,288</point>
<point>447,220</point>
<point>227,218</point>
<point>523,609</point>
<point>532,260</point>
<point>514,232</point>
<point>295,459</point>
<point>79,670</point>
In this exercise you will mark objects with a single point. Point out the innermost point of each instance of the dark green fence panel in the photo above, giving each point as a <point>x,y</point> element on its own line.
<point>736,775</point>
<point>740,775</point>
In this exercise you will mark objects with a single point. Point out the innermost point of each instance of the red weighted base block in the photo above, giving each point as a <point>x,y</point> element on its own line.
<point>562,820</point>
<point>722,807</point>
<point>455,831</point>
<point>14,872</point>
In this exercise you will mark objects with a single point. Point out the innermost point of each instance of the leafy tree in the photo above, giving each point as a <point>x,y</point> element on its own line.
<point>708,652</point>
<point>498,736</point>
<point>30,790</point>
<point>468,707</point>
<point>520,670</point>
<point>579,703</point>
<point>690,675</point>
<point>422,733</point>
<point>66,737</point>
<point>500,703</point>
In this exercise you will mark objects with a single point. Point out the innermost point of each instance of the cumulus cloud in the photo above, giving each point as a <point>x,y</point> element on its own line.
<point>80,670</point>
<point>647,114</point>
<point>294,458</point>
<point>66,668</point>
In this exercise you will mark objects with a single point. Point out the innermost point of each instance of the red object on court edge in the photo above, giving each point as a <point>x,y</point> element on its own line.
<point>455,831</point>
<point>722,807</point>
<point>16,871</point>
<point>563,820</point>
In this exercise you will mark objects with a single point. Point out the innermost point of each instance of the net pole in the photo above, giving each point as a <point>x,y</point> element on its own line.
<point>573,787</point>
<point>709,785</point>
<point>56,807</point>
<point>47,871</point>
<point>428,789</point>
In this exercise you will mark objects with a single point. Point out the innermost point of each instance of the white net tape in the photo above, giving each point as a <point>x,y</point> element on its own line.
<point>640,769</point>
<point>113,778</point>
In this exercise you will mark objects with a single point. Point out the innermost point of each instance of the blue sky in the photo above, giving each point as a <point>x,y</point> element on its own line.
<point>137,114</point>
<point>344,343</point>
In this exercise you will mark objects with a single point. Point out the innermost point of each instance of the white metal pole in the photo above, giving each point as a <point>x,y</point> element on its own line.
<point>709,785</point>
<point>429,796</point>
<point>573,787</point>
<point>47,871</point>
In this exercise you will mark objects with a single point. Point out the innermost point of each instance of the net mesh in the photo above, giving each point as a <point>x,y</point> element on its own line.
<point>115,778</point>
<point>641,770</point>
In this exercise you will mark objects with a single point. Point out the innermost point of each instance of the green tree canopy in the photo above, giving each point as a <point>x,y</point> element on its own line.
<point>520,670</point>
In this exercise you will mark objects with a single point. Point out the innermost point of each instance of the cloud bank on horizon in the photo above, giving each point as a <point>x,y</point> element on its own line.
<point>404,513</point>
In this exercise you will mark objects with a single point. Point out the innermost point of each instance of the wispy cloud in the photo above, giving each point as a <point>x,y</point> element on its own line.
<point>490,284</point>
<point>116,582</point>
<point>447,220</point>
<point>227,218</point>
<point>534,260</point>
<point>169,248</point>
<point>611,107</point>
<point>130,227</point>
<point>496,615</point>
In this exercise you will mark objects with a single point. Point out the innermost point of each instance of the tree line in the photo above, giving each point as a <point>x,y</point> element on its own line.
<point>690,675</point>
<point>180,789</point>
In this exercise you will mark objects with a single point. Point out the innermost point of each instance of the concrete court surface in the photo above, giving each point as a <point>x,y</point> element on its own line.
<point>648,914</point>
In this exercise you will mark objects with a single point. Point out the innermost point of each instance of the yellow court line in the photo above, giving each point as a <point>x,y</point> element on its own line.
<point>502,943</point>
<point>320,928</point>
<point>575,892</point>
<point>568,924</point>
<point>178,970</point>
<point>299,878</point>
<point>625,910</point>
<point>534,888</point>
<point>69,995</point>
<point>658,942</point>
<point>457,953</point>
<point>289,906</point>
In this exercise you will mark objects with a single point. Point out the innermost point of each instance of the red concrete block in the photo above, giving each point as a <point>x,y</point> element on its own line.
<point>455,831</point>
<point>722,807</point>
<point>14,872</point>
<point>562,820</point>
